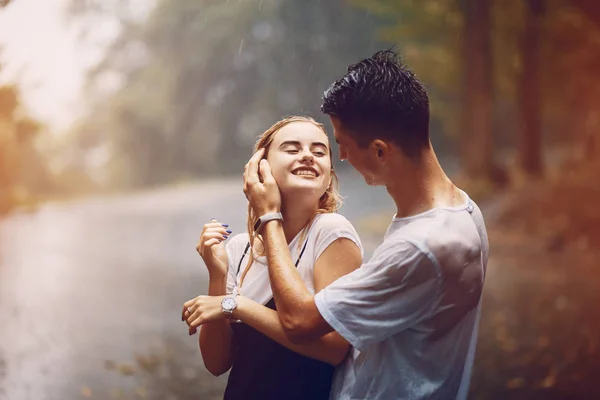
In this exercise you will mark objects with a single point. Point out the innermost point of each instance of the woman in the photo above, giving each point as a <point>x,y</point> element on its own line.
<point>264,363</point>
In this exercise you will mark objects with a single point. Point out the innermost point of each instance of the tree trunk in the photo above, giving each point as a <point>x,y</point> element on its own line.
<point>591,9</point>
<point>477,139</point>
<point>529,142</point>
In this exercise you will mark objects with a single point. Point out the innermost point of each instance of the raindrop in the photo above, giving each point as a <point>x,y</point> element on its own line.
<point>262,31</point>
<point>241,46</point>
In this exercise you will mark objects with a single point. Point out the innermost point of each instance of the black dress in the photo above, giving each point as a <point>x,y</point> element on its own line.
<point>263,369</point>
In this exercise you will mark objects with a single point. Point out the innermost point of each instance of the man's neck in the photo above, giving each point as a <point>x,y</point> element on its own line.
<point>296,214</point>
<point>423,185</point>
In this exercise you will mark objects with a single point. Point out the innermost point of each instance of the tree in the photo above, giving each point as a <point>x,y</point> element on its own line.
<point>529,96</point>
<point>477,138</point>
<point>449,45</point>
<point>200,80</point>
<point>591,8</point>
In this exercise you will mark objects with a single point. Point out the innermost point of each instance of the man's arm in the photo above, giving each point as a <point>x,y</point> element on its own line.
<point>296,306</point>
<point>330,348</point>
<point>207,312</point>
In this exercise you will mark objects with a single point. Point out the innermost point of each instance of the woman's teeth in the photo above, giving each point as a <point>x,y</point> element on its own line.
<point>305,173</point>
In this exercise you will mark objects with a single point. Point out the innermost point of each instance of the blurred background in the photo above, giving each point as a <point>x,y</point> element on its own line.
<point>125,125</point>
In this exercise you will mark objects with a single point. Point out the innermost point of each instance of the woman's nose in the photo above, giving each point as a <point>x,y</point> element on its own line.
<point>307,157</point>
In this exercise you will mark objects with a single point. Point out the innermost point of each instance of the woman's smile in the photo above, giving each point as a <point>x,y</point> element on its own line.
<point>306,172</point>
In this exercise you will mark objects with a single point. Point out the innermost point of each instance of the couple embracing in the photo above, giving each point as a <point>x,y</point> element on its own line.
<point>293,310</point>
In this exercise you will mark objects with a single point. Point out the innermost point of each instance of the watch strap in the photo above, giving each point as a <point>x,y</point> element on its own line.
<point>266,218</point>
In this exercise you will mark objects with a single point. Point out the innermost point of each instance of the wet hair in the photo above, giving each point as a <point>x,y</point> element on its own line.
<point>329,202</point>
<point>380,98</point>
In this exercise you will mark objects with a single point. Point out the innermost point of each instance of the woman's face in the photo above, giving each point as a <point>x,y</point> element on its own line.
<point>299,160</point>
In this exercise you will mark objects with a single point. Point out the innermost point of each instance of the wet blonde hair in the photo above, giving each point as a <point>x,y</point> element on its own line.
<point>329,202</point>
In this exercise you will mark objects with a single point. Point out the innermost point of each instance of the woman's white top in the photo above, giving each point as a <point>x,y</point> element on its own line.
<point>324,230</point>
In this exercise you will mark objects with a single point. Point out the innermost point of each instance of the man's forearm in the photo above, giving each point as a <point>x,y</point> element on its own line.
<point>330,348</point>
<point>296,308</point>
<point>289,290</point>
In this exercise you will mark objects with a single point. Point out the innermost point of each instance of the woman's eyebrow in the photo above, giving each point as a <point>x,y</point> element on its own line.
<point>290,143</point>
<point>298,144</point>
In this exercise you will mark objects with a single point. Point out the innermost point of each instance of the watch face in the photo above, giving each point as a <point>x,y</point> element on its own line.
<point>228,303</point>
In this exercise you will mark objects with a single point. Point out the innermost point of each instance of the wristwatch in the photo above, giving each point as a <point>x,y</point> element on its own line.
<point>229,303</point>
<point>265,218</point>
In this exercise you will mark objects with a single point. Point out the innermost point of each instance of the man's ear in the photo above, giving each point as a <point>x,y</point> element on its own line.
<point>381,147</point>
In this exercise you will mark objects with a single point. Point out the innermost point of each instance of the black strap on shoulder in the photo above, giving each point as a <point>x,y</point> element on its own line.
<point>243,255</point>
<point>302,252</point>
<point>248,246</point>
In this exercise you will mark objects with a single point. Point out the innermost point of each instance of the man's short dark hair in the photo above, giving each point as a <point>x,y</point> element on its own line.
<point>380,98</point>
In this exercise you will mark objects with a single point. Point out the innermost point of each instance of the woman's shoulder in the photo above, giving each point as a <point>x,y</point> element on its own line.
<point>237,243</point>
<point>328,227</point>
<point>332,221</point>
<point>239,238</point>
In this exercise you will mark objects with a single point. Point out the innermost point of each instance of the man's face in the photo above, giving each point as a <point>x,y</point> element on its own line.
<point>362,159</point>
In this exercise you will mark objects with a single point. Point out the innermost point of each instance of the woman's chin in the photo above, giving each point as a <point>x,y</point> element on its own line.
<point>302,189</point>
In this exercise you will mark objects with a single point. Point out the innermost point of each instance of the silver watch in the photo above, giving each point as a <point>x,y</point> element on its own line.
<point>265,218</point>
<point>229,303</point>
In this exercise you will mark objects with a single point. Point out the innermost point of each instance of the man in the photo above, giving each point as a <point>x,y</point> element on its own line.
<point>411,312</point>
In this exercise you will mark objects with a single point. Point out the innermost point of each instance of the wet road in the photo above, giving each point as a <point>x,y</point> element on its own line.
<point>90,291</point>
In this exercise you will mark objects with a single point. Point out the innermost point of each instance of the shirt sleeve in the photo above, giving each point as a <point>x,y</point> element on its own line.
<point>331,227</point>
<point>235,249</point>
<point>392,292</point>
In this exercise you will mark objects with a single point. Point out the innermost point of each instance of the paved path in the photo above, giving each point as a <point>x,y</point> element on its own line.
<point>90,291</point>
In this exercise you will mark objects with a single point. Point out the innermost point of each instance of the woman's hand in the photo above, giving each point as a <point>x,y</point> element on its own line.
<point>212,249</point>
<point>201,310</point>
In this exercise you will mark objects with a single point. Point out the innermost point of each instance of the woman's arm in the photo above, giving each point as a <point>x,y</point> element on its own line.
<point>216,338</point>
<point>341,257</point>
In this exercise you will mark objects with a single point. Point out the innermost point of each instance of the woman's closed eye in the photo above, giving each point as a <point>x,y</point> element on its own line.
<point>317,153</point>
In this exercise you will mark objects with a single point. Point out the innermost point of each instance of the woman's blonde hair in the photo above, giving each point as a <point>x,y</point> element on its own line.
<point>329,202</point>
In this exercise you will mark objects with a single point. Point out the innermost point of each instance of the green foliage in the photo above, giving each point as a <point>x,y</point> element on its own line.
<point>201,79</point>
<point>428,34</point>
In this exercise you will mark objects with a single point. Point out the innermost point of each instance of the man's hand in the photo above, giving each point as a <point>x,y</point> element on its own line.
<point>201,310</point>
<point>264,197</point>
<point>211,248</point>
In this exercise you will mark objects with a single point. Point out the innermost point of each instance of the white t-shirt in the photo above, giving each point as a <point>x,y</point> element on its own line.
<point>325,229</point>
<point>411,312</point>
